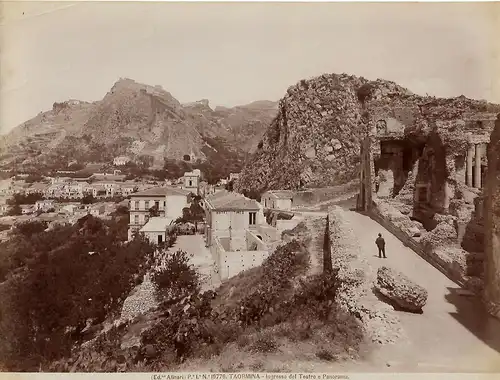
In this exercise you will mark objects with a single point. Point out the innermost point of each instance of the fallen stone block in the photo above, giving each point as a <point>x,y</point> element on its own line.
<point>401,290</point>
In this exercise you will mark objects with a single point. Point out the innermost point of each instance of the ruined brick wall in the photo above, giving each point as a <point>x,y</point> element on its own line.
<point>492,223</point>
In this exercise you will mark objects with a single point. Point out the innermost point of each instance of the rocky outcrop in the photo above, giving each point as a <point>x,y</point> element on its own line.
<point>316,134</point>
<point>401,290</point>
<point>492,223</point>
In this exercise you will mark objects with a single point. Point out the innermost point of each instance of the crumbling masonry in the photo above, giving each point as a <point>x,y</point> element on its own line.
<point>425,175</point>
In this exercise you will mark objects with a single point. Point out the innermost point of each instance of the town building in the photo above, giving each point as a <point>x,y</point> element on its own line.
<point>191,181</point>
<point>229,215</point>
<point>156,229</point>
<point>97,210</point>
<point>120,161</point>
<point>109,177</point>
<point>70,209</point>
<point>277,199</point>
<point>37,188</point>
<point>236,232</point>
<point>4,207</point>
<point>44,205</point>
<point>168,200</point>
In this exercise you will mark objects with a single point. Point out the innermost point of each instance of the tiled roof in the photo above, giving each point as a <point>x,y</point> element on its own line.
<point>226,200</point>
<point>160,192</point>
<point>281,194</point>
<point>38,185</point>
<point>156,224</point>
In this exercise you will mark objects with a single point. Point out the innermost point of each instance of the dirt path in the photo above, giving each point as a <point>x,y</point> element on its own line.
<point>316,226</point>
<point>453,333</point>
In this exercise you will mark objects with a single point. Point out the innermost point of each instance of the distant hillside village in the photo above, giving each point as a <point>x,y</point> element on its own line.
<point>236,230</point>
<point>69,195</point>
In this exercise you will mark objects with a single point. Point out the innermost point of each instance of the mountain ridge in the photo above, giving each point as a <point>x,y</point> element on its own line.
<point>134,119</point>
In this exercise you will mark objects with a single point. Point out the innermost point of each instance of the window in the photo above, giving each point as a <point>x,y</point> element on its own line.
<point>146,205</point>
<point>252,216</point>
<point>146,218</point>
<point>136,219</point>
<point>157,204</point>
<point>137,205</point>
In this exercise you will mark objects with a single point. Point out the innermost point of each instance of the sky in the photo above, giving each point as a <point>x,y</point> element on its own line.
<point>236,53</point>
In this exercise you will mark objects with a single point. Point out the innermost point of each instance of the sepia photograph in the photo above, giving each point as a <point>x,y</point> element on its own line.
<point>250,188</point>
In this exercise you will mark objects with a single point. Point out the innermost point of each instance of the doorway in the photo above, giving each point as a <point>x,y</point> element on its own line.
<point>160,239</point>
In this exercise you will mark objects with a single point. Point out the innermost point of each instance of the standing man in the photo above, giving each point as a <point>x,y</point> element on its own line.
<point>381,246</point>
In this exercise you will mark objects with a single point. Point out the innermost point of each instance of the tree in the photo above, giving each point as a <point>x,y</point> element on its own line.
<point>88,199</point>
<point>71,275</point>
<point>230,185</point>
<point>154,211</point>
<point>30,227</point>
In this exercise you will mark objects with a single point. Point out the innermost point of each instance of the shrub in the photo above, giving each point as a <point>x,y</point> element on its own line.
<point>175,277</point>
<point>364,92</point>
<point>30,227</point>
<point>325,354</point>
<point>264,344</point>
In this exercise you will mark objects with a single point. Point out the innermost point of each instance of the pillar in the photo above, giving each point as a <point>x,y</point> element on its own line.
<point>477,165</point>
<point>470,153</point>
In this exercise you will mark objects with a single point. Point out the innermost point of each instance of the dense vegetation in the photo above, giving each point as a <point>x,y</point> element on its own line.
<point>269,307</point>
<point>57,281</point>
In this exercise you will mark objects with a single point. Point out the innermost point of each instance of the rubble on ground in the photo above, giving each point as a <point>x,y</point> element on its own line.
<point>140,301</point>
<point>394,285</point>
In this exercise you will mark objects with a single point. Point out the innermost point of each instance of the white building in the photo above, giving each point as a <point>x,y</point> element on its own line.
<point>97,210</point>
<point>156,229</point>
<point>277,199</point>
<point>168,200</point>
<point>70,208</point>
<point>44,205</point>
<point>230,215</point>
<point>120,161</point>
<point>191,181</point>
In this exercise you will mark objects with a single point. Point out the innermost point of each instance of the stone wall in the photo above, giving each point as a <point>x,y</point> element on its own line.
<point>492,224</point>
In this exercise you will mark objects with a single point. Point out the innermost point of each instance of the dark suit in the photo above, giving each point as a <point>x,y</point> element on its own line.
<point>381,246</point>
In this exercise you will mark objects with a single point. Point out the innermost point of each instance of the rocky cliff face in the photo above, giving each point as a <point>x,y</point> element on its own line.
<point>133,119</point>
<point>241,126</point>
<point>492,218</point>
<point>315,139</point>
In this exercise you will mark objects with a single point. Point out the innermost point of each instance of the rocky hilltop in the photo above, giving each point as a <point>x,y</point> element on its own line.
<point>133,119</point>
<point>241,126</point>
<point>315,139</point>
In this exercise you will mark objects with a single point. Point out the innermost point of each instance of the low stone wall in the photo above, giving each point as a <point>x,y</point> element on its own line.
<point>230,263</point>
<point>235,262</point>
<point>312,196</point>
<point>450,268</point>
